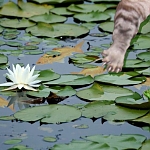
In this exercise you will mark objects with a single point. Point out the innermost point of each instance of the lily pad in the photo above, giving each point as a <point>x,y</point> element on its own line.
<point>57,30</point>
<point>110,111</point>
<point>144,56</point>
<point>68,79</point>
<point>144,119</point>
<point>103,92</point>
<point>3,59</point>
<point>24,9</point>
<point>86,8</point>
<point>48,75</point>
<point>56,1</point>
<point>12,43</point>
<point>15,23</point>
<point>127,78</point>
<point>49,114</point>
<point>107,26</point>
<point>48,18</point>
<point>61,11</point>
<point>35,52</point>
<point>49,139</point>
<point>13,141</point>
<point>92,16</point>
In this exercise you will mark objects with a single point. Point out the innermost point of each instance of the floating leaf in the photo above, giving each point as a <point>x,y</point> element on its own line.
<point>13,141</point>
<point>68,79</point>
<point>48,75</point>
<point>89,25</point>
<point>24,9</point>
<point>144,119</point>
<point>3,59</point>
<point>103,92</point>
<point>15,23</point>
<point>86,8</point>
<point>49,139</point>
<point>126,78</point>
<point>107,26</point>
<point>35,52</point>
<point>145,145</point>
<point>144,56</point>
<point>12,43</point>
<point>64,51</point>
<point>49,113</point>
<point>82,126</point>
<point>110,112</point>
<point>57,30</point>
<point>48,18</point>
<point>61,11</point>
<point>7,118</point>
<point>92,16</point>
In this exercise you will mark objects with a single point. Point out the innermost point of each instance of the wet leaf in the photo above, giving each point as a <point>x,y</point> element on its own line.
<point>7,118</point>
<point>92,16</point>
<point>48,75</point>
<point>126,78</point>
<point>12,43</point>
<point>68,79</point>
<point>57,30</point>
<point>64,52</point>
<point>145,145</point>
<point>13,141</point>
<point>107,26</point>
<point>144,119</point>
<point>110,111</point>
<point>49,113</point>
<point>49,139</point>
<point>3,59</point>
<point>144,56</point>
<point>103,92</point>
<point>15,23</point>
<point>86,8</point>
<point>24,9</point>
<point>34,52</point>
<point>82,126</point>
<point>89,25</point>
<point>48,18</point>
<point>61,11</point>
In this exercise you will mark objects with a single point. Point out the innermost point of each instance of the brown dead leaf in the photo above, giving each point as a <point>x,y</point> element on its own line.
<point>146,83</point>
<point>4,103</point>
<point>64,52</point>
<point>91,71</point>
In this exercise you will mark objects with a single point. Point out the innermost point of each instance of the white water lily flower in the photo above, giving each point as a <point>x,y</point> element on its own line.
<point>21,78</point>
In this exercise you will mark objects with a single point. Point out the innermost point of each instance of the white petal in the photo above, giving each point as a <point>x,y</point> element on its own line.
<point>20,86</point>
<point>34,82</point>
<point>29,88</point>
<point>7,84</point>
<point>10,88</point>
<point>34,85</point>
<point>32,78</point>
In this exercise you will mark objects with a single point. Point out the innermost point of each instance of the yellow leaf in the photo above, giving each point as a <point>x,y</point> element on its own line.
<point>4,103</point>
<point>64,52</point>
<point>91,71</point>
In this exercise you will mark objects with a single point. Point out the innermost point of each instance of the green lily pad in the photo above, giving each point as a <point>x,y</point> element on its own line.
<point>24,9</point>
<point>29,47</point>
<point>56,1</point>
<point>85,65</point>
<point>34,52</point>
<point>86,8</point>
<point>48,75</point>
<point>68,79</point>
<point>127,78</point>
<point>140,42</point>
<point>49,139</point>
<point>136,63</point>
<point>145,145</point>
<point>144,119</point>
<point>103,92</point>
<point>110,111</point>
<point>144,56</point>
<point>7,118</point>
<point>3,59</point>
<point>49,113</point>
<point>2,43</point>
<point>82,126</point>
<point>10,36</point>
<point>107,26</point>
<point>48,18</point>
<point>57,30</point>
<point>13,43</point>
<point>13,141</point>
<point>147,93</point>
<point>61,11</point>
<point>15,23</point>
<point>104,0</point>
<point>92,16</point>
<point>1,29</point>
<point>89,25</point>
<point>145,72</point>
<point>115,142</point>
<point>111,13</point>
<point>20,147</point>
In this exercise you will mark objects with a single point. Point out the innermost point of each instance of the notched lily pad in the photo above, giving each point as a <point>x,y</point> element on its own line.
<point>57,30</point>
<point>49,114</point>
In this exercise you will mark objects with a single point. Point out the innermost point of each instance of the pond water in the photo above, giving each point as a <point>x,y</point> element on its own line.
<point>33,133</point>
